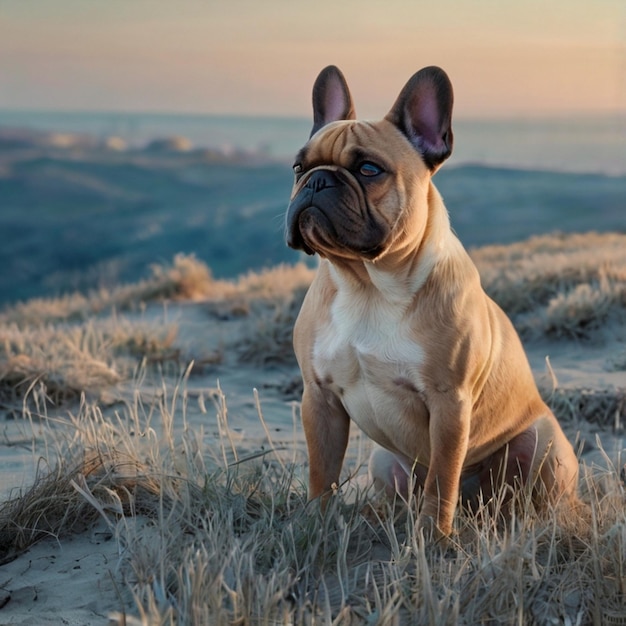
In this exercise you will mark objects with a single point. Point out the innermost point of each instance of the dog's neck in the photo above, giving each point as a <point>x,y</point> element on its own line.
<point>401,272</point>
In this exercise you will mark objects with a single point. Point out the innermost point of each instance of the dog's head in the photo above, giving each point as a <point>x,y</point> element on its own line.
<point>360,186</point>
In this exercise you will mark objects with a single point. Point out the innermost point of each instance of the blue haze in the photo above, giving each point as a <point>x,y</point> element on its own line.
<point>83,217</point>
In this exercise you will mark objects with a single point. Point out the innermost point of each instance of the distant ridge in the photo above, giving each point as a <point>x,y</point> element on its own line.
<point>83,214</point>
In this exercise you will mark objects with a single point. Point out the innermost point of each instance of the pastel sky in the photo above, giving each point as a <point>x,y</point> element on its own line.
<point>505,57</point>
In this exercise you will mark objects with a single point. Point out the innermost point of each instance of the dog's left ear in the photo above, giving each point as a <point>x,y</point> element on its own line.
<point>423,112</point>
<point>331,98</point>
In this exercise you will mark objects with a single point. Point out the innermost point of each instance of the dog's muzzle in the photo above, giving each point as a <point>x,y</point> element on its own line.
<point>307,208</point>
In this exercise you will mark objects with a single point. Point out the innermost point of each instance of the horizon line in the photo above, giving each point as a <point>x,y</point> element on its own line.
<point>531,116</point>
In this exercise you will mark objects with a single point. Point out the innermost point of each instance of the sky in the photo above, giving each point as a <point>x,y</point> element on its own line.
<point>506,58</point>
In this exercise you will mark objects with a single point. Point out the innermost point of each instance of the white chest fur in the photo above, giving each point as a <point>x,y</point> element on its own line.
<point>368,355</point>
<point>371,326</point>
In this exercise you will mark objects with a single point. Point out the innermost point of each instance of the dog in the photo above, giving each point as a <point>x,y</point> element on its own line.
<point>395,332</point>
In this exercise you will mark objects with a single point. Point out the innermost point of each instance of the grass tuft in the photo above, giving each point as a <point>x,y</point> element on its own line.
<point>559,285</point>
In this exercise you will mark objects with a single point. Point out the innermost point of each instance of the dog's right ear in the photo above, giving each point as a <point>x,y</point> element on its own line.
<point>331,99</point>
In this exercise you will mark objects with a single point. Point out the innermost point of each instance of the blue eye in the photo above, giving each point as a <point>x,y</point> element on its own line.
<point>297,168</point>
<point>369,169</point>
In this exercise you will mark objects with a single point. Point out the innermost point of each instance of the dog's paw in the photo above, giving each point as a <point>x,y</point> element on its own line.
<point>432,532</point>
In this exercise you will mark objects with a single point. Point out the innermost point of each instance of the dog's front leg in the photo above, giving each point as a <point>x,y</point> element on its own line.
<point>449,436</point>
<point>326,428</point>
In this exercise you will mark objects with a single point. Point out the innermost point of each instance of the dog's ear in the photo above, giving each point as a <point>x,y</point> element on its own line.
<point>423,112</point>
<point>331,98</point>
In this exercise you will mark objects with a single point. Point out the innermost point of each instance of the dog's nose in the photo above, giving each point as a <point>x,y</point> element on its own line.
<point>320,180</point>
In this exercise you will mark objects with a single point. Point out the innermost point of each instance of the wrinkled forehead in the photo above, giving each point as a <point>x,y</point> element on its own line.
<point>348,142</point>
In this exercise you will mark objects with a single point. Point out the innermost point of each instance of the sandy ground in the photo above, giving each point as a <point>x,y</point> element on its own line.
<point>73,580</point>
<point>69,582</point>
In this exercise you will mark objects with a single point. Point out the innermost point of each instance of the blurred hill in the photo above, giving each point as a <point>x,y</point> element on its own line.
<point>76,213</point>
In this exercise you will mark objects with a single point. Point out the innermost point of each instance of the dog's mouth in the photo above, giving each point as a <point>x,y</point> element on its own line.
<point>313,231</point>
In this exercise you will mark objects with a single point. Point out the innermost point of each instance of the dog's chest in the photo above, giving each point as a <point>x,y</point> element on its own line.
<point>369,357</point>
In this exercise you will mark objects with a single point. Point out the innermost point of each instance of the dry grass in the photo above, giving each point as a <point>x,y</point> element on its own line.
<point>69,346</point>
<point>187,278</point>
<point>558,285</point>
<point>268,336</point>
<point>603,407</point>
<point>213,534</point>
<point>69,360</point>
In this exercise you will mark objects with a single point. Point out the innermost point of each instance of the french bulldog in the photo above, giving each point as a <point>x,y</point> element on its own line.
<point>396,332</point>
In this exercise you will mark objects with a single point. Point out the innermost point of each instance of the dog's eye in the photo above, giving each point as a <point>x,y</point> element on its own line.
<point>369,169</point>
<point>297,168</point>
